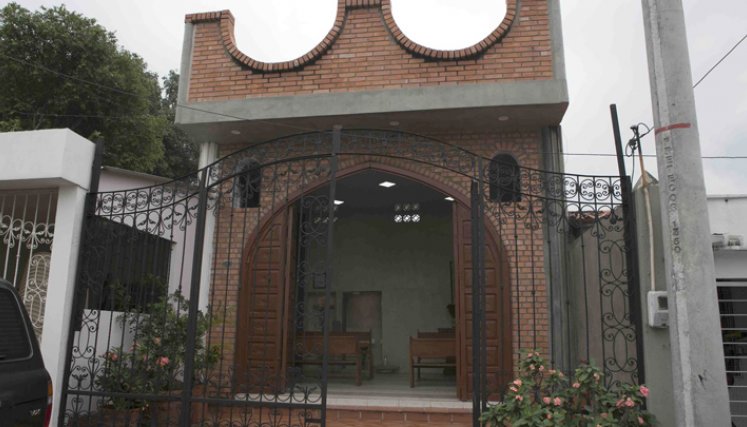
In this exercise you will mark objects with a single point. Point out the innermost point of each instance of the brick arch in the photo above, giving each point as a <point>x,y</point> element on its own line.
<point>226,20</point>
<point>274,231</point>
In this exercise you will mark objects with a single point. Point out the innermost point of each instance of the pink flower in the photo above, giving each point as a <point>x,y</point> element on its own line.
<point>541,368</point>
<point>576,385</point>
<point>163,361</point>
<point>531,366</point>
<point>519,397</point>
<point>518,382</point>
<point>597,377</point>
<point>603,415</point>
<point>640,421</point>
<point>629,403</point>
<point>643,390</point>
<point>111,356</point>
<point>549,416</point>
<point>557,401</point>
<point>546,400</point>
<point>619,403</point>
<point>513,389</point>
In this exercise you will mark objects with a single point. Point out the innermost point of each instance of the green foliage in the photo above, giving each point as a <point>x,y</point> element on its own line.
<point>48,58</point>
<point>155,362</point>
<point>545,397</point>
<point>181,152</point>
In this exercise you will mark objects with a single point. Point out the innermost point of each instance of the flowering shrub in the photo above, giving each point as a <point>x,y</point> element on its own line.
<point>155,362</point>
<point>545,397</point>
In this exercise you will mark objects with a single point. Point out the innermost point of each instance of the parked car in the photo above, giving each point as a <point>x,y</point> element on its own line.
<point>25,386</point>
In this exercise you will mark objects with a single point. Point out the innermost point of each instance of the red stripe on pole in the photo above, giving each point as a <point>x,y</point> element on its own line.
<point>670,127</point>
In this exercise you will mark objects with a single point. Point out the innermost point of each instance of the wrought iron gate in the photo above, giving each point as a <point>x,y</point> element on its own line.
<point>206,300</point>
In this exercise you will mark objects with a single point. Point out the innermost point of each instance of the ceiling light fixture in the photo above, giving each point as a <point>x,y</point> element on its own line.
<point>502,118</point>
<point>387,184</point>
<point>236,132</point>
<point>338,202</point>
<point>394,123</point>
<point>449,198</point>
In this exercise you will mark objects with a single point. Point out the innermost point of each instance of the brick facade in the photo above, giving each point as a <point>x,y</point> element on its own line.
<point>366,51</point>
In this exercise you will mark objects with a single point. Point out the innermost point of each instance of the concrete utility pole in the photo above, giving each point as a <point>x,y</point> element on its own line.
<point>700,394</point>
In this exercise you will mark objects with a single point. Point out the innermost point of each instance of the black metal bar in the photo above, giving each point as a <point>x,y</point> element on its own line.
<point>631,246</point>
<point>481,288</point>
<point>88,213</point>
<point>476,219</point>
<point>618,141</point>
<point>194,296</point>
<point>328,266</point>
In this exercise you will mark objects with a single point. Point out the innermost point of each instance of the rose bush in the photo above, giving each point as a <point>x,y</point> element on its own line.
<point>546,397</point>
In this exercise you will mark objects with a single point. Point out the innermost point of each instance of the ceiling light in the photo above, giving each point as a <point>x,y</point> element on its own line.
<point>338,202</point>
<point>394,123</point>
<point>502,118</point>
<point>449,198</point>
<point>387,184</point>
<point>236,132</point>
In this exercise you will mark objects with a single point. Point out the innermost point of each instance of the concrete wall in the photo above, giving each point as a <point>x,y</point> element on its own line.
<point>407,263</point>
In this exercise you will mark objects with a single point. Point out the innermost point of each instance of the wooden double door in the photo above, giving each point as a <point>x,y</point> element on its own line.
<point>270,307</point>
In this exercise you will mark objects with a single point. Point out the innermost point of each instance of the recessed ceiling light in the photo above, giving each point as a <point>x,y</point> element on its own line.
<point>338,202</point>
<point>387,184</point>
<point>394,123</point>
<point>449,198</point>
<point>502,118</point>
<point>236,132</point>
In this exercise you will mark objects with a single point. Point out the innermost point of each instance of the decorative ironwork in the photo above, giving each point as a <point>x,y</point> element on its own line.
<point>26,237</point>
<point>263,286</point>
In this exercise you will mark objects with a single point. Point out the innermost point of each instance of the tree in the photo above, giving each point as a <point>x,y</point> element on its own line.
<point>181,153</point>
<point>59,69</point>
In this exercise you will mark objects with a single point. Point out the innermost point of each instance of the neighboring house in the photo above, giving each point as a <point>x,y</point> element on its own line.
<point>371,210</point>
<point>726,217</point>
<point>44,177</point>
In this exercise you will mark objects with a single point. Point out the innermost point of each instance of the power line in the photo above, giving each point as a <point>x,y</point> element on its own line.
<point>720,61</point>
<point>201,110</point>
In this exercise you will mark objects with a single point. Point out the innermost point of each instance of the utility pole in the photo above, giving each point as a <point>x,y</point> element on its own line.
<point>700,393</point>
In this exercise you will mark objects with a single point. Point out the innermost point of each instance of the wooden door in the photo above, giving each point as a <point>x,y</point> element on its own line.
<point>265,307</point>
<point>498,371</point>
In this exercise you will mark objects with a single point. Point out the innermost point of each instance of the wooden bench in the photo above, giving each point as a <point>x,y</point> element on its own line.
<point>343,350</point>
<point>439,352</point>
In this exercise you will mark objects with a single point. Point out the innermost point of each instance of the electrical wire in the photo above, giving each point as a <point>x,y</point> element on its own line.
<point>720,61</point>
<point>231,116</point>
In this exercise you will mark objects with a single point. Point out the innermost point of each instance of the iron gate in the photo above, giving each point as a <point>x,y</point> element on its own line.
<point>206,300</point>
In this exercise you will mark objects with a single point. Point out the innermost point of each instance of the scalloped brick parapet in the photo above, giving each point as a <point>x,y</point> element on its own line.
<point>226,20</point>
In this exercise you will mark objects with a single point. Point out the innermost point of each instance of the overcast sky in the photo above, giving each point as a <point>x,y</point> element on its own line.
<point>604,49</point>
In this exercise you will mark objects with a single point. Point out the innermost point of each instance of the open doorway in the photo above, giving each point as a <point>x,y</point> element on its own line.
<point>392,277</point>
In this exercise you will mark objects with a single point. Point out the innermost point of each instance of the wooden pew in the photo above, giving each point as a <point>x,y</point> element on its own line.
<point>343,350</point>
<point>437,352</point>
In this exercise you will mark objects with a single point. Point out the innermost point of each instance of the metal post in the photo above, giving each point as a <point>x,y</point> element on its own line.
<point>476,222</point>
<point>194,296</point>
<point>700,393</point>
<point>328,266</point>
<point>631,247</point>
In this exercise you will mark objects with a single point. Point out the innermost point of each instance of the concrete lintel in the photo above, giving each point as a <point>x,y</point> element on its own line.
<point>370,102</point>
<point>45,158</point>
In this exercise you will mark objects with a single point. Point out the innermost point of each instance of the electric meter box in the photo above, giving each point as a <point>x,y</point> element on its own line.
<point>658,309</point>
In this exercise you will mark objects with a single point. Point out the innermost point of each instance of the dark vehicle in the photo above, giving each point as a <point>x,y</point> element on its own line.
<point>25,387</point>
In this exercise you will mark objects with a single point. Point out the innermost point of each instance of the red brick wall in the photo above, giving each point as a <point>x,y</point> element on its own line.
<point>366,51</point>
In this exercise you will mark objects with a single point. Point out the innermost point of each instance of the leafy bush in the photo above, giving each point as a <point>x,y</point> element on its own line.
<point>546,397</point>
<point>155,362</point>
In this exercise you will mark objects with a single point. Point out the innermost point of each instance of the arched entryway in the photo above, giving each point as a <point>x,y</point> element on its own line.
<point>413,293</point>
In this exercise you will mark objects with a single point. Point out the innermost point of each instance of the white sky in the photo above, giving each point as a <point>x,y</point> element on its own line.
<point>604,49</point>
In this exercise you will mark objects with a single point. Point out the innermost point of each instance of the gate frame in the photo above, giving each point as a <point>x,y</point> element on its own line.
<point>480,394</point>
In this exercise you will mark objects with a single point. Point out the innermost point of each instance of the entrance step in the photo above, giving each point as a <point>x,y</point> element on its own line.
<point>364,416</point>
